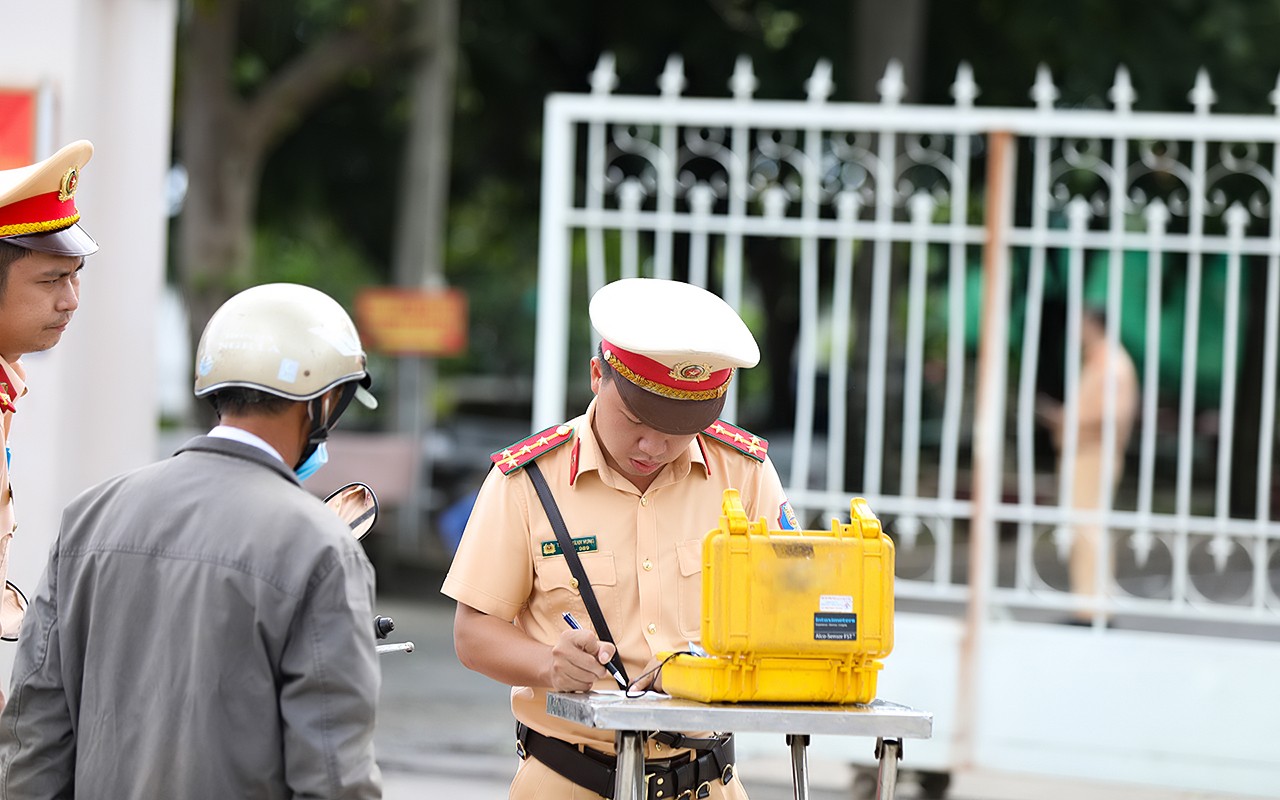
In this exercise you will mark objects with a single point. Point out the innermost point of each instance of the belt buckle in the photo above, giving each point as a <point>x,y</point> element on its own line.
<point>664,792</point>
<point>704,790</point>
<point>520,751</point>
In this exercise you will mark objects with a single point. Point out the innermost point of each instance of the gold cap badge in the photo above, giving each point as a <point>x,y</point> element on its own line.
<point>68,185</point>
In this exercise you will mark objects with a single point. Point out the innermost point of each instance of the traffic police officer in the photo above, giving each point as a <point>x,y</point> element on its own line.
<point>42,249</point>
<point>639,480</point>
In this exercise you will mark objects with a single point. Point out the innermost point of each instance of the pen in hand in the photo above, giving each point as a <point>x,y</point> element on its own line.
<point>617,675</point>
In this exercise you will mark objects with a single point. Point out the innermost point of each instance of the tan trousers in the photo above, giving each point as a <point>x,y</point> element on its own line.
<point>535,781</point>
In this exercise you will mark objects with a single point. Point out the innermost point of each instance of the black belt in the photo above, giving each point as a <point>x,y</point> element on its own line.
<point>665,779</point>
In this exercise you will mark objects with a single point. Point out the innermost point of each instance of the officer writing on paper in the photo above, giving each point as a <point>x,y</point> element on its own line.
<point>638,480</point>
<point>203,628</point>
<point>42,250</point>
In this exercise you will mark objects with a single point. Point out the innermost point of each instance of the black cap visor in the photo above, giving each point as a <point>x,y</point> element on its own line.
<point>72,241</point>
<point>666,414</point>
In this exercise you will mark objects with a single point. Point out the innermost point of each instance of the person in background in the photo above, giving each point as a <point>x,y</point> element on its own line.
<point>204,628</point>
<point>1100,364</point>
<point>639,480</point>
<point>42,250</point>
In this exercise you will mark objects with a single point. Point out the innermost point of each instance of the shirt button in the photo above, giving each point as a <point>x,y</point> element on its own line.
<point>653,628</point>
<point>644,501</point>
<point>648,565</point>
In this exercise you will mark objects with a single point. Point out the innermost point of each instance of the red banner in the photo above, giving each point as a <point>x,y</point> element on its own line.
<point>17,128</point>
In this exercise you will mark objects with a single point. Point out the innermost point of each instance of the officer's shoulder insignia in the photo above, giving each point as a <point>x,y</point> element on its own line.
<point>514,456</point>
<point>743,441</point>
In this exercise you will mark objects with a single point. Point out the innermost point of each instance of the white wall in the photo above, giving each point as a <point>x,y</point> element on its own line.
<point>91,412</point>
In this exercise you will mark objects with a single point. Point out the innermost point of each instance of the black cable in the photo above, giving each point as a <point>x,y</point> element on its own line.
<point>654,672</point>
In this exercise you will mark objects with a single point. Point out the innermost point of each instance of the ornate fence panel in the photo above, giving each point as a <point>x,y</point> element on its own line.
<point>933,266</point>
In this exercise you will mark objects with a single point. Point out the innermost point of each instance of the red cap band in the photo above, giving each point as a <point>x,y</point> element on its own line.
<point>681,381</point>
<point>38,214</point>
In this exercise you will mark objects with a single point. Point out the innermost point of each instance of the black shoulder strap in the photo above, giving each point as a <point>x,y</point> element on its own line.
<point>575,563</point>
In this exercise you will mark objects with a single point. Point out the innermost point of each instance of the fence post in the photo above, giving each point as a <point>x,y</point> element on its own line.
<point>988,434</point>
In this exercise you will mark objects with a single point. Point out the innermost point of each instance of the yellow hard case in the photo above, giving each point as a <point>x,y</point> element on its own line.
<point>790,616</point>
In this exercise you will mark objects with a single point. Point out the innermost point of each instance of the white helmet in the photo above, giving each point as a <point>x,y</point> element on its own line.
<point>284,339</point>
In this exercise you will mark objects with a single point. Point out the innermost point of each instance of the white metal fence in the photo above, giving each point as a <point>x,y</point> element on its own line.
<point>925,247</point>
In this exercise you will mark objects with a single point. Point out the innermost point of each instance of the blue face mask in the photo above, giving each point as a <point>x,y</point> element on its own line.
<point>318,458</point>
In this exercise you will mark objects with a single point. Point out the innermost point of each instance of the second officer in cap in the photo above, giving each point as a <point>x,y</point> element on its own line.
<point>638,480</point>
<point>42,250</point>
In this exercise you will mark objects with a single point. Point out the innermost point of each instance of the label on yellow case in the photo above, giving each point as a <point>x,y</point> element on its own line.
<point>836,602</point>
<point>835,627</point>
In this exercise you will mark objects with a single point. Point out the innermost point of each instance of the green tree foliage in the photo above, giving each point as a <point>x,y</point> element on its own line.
<point>331,185</point>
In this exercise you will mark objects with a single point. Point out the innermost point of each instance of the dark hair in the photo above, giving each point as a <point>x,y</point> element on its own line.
<point>607,372</point>
<point>9,253</point>
<point>242,400</point>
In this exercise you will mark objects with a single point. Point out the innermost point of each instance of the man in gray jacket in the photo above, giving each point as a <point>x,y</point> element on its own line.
<point>204,628</point>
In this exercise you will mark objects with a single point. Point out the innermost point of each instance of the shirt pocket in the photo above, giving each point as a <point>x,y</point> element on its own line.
<point>689,557</point>
<point>561,592</point>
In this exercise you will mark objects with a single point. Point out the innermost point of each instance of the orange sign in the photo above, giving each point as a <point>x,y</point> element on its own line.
<point>412,322</point>
<point>17,128</point>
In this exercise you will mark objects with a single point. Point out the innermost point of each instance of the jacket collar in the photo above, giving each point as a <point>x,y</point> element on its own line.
<point>230,447</point>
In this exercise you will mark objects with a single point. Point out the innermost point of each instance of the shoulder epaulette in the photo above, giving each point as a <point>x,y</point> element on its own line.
<point>513,457</point>
<point>743,441</point>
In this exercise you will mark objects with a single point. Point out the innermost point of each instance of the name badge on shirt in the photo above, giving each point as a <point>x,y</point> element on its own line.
<point>585,544</point>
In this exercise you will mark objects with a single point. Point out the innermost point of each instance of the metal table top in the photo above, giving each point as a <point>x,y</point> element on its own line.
<point>613,711</point>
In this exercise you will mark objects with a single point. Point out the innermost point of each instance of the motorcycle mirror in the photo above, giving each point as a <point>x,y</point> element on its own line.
<point>356,505</point>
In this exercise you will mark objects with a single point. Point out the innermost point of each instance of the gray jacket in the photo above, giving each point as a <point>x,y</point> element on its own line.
<point>204,629</point>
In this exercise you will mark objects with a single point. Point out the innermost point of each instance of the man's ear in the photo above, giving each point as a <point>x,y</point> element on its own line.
<point>597,375</point>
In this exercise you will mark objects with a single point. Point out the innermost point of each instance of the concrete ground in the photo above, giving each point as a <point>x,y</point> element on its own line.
<point>444,731</point>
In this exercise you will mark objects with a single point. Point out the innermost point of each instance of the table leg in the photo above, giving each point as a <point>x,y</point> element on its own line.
<point>799,765</point>
<point>888,751</point>
<point>629,781</point>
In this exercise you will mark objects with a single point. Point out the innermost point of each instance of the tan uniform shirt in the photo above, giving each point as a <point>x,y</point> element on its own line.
<point>641,551</point>
<point>13,384</point>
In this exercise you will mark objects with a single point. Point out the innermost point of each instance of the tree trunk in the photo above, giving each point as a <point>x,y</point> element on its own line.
<point>215,247</point>
<point>882,30</point>
<point>224,139</point>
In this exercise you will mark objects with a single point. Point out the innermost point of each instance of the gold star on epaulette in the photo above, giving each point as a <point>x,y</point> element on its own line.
<point>513,457</point>
<point>743,441</point>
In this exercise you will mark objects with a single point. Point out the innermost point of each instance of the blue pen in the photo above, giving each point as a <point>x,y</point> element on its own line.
<point>614,671</point>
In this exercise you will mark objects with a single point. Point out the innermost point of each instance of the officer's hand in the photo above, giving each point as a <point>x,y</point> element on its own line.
<point>577,661</point>
<point>650,678</point>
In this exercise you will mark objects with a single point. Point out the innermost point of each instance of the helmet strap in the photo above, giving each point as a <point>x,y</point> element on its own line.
<point>323,418</point>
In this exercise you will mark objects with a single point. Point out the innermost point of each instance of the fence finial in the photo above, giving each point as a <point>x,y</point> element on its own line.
<point>1044,92</point>
<point>964,90</point>
<point>1202,95</point>
<point>891,86</point>
<point>672,81</point>
<point>819,84</point>
<point>1122,94</point>
<point>1157,215</point>
<point>743,83</point>
<point>604,78</point>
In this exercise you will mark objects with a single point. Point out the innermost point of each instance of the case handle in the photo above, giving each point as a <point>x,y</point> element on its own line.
<point>734,519</point>
<point>860,514</point>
